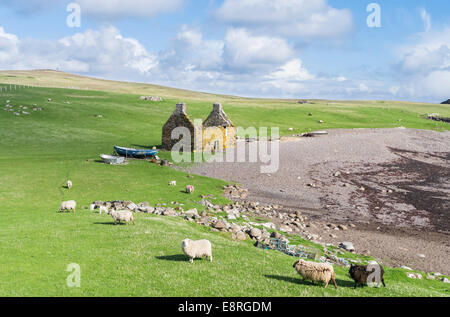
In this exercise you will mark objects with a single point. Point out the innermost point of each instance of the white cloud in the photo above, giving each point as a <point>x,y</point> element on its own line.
<point>426,18</point>
<point>300,19</point>
<point>8,45</point>
<point>291,71</point>
<point>244,51</point>
<point>426,66</point>
<point>104,52</point>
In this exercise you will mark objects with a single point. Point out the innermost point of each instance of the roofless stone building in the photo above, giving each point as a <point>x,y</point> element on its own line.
<point>216,133</point>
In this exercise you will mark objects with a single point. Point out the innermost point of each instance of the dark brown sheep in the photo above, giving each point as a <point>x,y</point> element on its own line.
<point>361,273</point>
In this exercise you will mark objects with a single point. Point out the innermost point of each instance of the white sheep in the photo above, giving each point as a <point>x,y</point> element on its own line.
<point>103,209</point>
<point>173,183</point>
<point>197,249</point>
<point>316,272</point>
<point>69,184</point>
<point>68,205</point>
<point>122,215</point>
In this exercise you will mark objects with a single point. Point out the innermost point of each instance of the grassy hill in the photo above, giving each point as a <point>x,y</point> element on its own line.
<point>42,150</point>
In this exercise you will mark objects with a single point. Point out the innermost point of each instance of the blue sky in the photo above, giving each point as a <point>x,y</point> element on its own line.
<point>262,48</point>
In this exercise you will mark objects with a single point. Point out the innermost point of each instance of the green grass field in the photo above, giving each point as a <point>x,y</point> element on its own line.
<point>42,150</point>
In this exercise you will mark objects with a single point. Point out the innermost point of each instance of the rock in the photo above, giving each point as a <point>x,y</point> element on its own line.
<point>285,228</point>
<point>446,102</point>
<point>255,233</point>
<point>342,227</point>
<point>219,225</point>
<point>362,189</point>
<point>421,256</point>
<point>268,225</point>
<point>333,236</point>
<point>411,275</point>
<point>169,212</point>
<point>235,228</point>
<point>192,212</point>
<point>275,235</point>
<point>231,217</point>
<point>164,163</point>
<point>132,206</point>
<point>406,268</point>
<point>365,252</point>
<point>348,246</point>
<point>337,174</point>
<point>351,225</point>
<point>240,236</point>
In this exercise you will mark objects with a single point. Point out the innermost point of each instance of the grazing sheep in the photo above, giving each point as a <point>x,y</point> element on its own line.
<point>189,189</point>
<point>197,249</point>
<point>68,205</point>
<point>69,184</point>
<point>173,183</point>
<point>361,273</point>
<point>92,207</point>
<point>122,215</point>
<point>103,209</point>
<point>316,272</point>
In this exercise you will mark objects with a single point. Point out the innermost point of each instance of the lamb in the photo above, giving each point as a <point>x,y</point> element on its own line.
<point>68,205</point>
<point>361,273</point>
<point>316,272</point>
<point>69,184</point>
<point>103,209</point>
<point>197,249</point>
<point>122,215</point>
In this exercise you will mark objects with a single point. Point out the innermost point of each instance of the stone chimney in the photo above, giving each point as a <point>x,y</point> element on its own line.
<point>181,109</point>
<point>217,107</point>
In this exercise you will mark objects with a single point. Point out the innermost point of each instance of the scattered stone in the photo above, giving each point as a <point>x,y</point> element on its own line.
<point>192,212</point>
<point>348,246</point>
<point>255,233</point>
<point>169,212</point>
<point>240,236</point>
<point>421,256</point>
<point>219,225</point>
<point>337,174</point>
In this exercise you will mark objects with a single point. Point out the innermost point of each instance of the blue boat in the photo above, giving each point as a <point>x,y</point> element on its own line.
<point>127,152</point>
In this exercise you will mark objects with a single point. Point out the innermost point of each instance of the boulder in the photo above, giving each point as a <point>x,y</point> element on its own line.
<point>219,225</point>
<point>446,102</point>
<point>192,212</point>
<point>255,233</point>
<point>240,236</point>
<point>169,212</point>
<point>348,246</point>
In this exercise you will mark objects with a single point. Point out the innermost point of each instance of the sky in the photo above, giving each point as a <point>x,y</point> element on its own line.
<point>255,48</point>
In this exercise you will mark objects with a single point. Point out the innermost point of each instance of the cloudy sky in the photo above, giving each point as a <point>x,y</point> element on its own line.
<point>263,48</point>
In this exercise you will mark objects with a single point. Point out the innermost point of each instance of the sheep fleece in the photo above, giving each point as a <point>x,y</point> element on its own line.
<point>68,205</point>
<point>197,249</point>
<point>317,272</point>
<point>122,215</point>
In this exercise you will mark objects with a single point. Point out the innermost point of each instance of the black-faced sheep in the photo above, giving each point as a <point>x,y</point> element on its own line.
<point>316,272</point>
<point>362,274</point>
<point>197,249</point>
